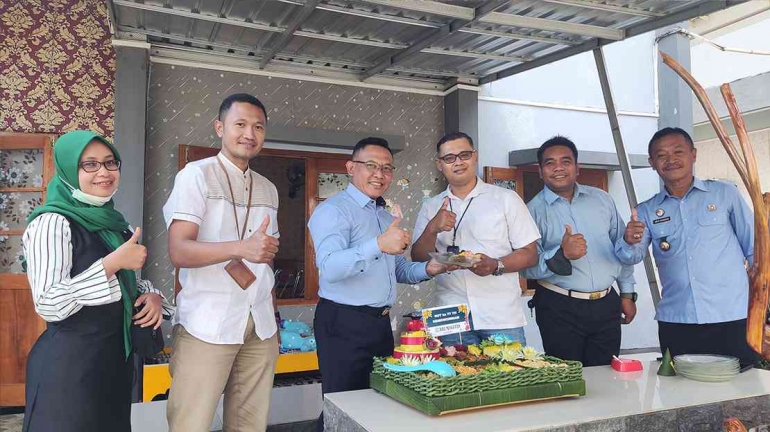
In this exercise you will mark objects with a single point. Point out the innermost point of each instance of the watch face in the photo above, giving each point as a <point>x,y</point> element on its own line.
<point>500,268</point>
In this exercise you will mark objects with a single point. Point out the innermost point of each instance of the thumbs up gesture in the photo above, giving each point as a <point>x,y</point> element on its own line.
<point>259,247</point>
<point>573,245</point>
<point>394,240</point>
<point>634,229</point>
<point>128,256</point>
<point>444,220</point>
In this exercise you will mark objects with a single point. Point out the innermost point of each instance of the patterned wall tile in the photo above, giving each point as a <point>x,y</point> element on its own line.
<point>182,107</point>
<point>57,72</point>
<point>58,66</point>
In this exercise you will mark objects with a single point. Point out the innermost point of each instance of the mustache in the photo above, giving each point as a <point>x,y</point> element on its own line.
<point>672,165</point>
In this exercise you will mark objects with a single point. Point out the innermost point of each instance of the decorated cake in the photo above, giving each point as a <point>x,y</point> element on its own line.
<point>416,346</point>
<point>495,372</point>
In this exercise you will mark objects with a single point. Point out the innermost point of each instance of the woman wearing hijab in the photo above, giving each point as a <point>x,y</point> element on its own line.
<point>81,259</point>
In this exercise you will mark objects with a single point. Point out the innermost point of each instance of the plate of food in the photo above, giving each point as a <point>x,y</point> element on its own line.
<point>462,259</point>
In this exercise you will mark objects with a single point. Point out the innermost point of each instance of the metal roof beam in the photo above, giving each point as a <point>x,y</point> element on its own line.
<point>703,7</point>
<point>554,25</point>
<point>197,15</point>
<point>607,7</point>
<point>471,54</point>
<point>345,39</point>
<point>195,57</point>
<point>519,36</point>
<point>224,10</point>
<point>466,13</point>
<point>252,25</point>
<point>430,7</point>
<point>299,18</point>
<point>194,23</point>
<point>299,58</point>
<point>113,18</point>
<point>377,16</point>
<point>258,53</point>
<point>436,35</point>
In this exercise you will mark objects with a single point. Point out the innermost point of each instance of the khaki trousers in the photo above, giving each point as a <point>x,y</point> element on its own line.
<point>201,371</point>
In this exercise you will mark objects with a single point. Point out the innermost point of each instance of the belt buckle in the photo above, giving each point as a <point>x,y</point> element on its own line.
<point>595,295</point>
<point>385,311</point>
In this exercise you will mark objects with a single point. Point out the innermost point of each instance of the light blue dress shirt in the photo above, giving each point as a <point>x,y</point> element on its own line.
<point>352,269</point>
<point>592,213</point>
<point>710,232</point>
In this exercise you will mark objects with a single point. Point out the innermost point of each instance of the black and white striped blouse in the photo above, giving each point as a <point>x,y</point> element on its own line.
<point>47,246</point>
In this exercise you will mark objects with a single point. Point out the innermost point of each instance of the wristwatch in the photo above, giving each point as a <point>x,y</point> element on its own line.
<point>632,296</point>
<point>500,268</point>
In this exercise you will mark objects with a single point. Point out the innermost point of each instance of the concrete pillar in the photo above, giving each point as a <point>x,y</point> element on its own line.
<point>674,95</point>
<point>461,112</point>
<point>131,80</point>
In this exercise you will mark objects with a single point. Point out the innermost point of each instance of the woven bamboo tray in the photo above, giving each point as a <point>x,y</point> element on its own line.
<point>437,396</point>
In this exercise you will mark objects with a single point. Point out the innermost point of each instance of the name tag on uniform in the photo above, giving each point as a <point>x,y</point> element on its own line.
<point>661,220</point>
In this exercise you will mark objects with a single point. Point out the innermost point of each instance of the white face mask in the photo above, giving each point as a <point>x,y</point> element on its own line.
<point>89,199</point>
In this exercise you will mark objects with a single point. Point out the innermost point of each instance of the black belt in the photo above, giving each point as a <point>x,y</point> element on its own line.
<point>383,311</point>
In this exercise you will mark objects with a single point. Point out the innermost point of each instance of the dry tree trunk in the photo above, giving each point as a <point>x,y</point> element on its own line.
<point>746,164</point>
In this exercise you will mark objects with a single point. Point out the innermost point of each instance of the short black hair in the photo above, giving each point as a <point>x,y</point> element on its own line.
<point>242,98</point>
<point>451,137</point>
<point>666,131</point>
<point>558,140</point>
<point>375,141</point>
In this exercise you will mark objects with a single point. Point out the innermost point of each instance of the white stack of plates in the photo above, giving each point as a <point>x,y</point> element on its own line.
<point>707,367</point>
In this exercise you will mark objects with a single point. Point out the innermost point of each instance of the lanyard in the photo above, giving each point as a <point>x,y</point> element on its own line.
<point>454,235</point>
<point>248,206</point>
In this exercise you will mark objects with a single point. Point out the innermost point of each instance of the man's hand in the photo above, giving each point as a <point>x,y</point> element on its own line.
<point>628,307</point>
<point>574,246</point>
<point>485,267</point>
<point>444,220</point>
<point>434,268</point>
<point>634,229</point>
<point>394,240</point>
<point>259,247</point>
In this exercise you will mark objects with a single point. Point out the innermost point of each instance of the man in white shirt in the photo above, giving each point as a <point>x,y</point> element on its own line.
<point>485,219</point>
<point>223,232</point>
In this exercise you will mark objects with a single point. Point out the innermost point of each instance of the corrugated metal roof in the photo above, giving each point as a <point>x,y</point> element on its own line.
<point>413,41</point>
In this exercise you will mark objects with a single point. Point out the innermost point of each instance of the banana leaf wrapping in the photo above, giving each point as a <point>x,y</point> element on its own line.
<point>463,384</point>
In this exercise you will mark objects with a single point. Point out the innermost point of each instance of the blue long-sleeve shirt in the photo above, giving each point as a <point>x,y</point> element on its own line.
<point>352,269</point>
<point>710,234</point>
<point>592,213</point>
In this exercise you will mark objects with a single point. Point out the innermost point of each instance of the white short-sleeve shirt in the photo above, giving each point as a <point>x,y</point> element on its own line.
<point>495,222</point>
<point>212,306</point>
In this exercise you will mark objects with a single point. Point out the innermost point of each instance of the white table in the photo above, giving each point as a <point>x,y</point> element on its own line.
<point>611,397</point>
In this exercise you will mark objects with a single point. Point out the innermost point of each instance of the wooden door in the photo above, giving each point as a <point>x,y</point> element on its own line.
<point>26,164</point>
<point>532,184</point>
<point>325,173</point>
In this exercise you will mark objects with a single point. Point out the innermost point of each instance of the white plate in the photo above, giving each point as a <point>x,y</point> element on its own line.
<point>705,359</point>
<point>448,258</point>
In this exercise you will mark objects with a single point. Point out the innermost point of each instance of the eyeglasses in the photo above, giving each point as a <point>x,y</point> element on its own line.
<point>451,158</point>
<point>372,167</point>
<point>94,166</point>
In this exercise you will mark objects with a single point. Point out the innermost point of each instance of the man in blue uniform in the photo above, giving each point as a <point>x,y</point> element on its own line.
<point>702,236</point>
<point>578,312</point>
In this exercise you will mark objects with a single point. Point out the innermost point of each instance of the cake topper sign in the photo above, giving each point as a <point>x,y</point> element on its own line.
<point>444,320</point>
